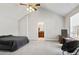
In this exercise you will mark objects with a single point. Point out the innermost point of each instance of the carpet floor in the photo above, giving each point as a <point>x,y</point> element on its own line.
<point>37,48</point>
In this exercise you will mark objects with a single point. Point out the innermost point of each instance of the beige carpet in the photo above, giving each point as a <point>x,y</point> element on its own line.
<point>37,48</point>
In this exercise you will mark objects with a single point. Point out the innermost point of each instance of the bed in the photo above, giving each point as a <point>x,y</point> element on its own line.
<point>12,43</point>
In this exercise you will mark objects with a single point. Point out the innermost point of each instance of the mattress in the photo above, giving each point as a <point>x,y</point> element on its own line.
<point>12,43</point>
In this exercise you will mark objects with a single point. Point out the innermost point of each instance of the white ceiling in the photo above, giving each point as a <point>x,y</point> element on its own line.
<point>19,11</point>
<point>60,8</point>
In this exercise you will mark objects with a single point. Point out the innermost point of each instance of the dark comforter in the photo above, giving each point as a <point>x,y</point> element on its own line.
<point>12,43</point>
<point>70,46</point>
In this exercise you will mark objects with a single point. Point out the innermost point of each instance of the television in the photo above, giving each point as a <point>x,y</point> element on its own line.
<point>64,32</point>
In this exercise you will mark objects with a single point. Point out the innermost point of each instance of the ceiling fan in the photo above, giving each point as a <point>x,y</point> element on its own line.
<point>31,6</point>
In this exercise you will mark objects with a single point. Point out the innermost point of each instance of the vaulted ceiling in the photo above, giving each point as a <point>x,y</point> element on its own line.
<point>60,8</point>
<point>16,11</point>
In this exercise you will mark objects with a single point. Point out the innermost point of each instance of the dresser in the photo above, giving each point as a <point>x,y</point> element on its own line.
<point>41,34</point>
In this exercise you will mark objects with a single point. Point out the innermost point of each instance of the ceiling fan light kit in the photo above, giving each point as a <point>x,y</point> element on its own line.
<point>30,7</point>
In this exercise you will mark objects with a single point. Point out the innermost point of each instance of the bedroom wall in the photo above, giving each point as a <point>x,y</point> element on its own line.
<point>8,26</point>
<point>53,24</point>
<point>67,18</point>
<point>9,15</point>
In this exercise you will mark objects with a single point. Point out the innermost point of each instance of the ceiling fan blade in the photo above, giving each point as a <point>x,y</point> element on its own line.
<point>22,4</point>
<point>37,4</point>
<point>35,8</point>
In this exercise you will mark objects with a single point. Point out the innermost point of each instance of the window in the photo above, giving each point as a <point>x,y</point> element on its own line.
<point>74,26</point>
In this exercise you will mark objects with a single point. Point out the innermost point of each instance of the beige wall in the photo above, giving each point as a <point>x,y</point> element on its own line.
<point>67,17</point>
<point>53,24</point>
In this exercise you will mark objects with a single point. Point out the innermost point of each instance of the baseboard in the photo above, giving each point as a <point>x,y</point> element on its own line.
<point>54,40</point>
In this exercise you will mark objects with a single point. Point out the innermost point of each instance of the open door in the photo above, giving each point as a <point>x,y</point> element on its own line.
<point>41,34</point>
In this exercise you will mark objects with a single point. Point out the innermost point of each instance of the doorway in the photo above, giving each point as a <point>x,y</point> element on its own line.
<point>41,33</point>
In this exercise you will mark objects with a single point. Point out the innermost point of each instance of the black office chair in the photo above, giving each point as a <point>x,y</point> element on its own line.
<point>70,47</point>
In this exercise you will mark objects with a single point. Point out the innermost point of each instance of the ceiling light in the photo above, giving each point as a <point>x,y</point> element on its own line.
<point>31,6</point>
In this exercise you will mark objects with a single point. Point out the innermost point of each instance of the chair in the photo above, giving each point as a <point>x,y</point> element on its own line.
<point>70,47</point>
